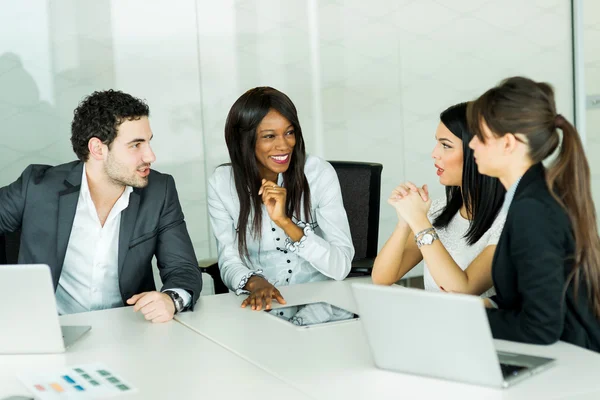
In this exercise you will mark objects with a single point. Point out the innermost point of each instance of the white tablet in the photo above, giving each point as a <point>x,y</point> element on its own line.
<point>313,314</point>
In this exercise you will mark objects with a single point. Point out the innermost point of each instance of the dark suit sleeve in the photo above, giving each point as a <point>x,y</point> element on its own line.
<point>537,251</point>
<point>12,202</point>
<point>175,255</point>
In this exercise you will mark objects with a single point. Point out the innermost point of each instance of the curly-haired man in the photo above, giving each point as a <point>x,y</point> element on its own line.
<point>99,221</point>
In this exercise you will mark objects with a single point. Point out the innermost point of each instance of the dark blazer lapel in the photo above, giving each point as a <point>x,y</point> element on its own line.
<point>128,218</point>
<point>67,206</point>
<point>535,173</point>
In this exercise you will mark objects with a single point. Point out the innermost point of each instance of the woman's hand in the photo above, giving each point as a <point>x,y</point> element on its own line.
<point>487,304</point>
<point>410,202</point>
<point>261,294</point>
<point>274,197</point>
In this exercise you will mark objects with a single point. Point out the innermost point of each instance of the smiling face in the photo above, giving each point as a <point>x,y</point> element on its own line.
<point>129,156</point>
<point>275,141</point>
<point>448,156</point>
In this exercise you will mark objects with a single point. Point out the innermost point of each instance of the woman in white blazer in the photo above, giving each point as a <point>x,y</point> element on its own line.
<point>277,213</point>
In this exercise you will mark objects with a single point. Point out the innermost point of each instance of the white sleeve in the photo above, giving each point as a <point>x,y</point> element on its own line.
<point>233,270</point>
<point>496,229</point>
<point>329,248</point>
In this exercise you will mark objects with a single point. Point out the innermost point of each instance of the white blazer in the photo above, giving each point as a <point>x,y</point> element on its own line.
<point>325,252</point>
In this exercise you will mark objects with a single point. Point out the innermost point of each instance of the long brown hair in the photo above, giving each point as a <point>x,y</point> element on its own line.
<point>520,105</point>
<point>240,135</point>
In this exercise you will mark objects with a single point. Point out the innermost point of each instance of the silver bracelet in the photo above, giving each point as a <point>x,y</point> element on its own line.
<point>424,231</point>
<point>426,237</point>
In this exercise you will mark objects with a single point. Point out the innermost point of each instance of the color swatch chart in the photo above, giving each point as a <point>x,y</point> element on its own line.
<point>90,381</point>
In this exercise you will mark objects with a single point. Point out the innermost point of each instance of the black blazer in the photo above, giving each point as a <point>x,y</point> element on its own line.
<point>531,264</point>
<point>42,204</point>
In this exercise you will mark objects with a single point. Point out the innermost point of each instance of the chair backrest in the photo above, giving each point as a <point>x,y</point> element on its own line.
<point>9,247</point>
<point>361,192</point>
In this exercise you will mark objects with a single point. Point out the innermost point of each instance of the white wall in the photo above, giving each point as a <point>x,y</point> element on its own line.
<point>369,78</point>
<point>591,55</point>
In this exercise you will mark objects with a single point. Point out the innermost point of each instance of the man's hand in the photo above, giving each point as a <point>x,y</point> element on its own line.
<point>156,306</point>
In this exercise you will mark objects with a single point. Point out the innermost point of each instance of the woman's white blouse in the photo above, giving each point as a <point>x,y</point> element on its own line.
<point>453,239</point>
<point>325,252</point>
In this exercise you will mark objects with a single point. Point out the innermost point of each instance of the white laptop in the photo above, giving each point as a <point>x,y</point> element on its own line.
<point>439,335</point>
<point>28,316</point>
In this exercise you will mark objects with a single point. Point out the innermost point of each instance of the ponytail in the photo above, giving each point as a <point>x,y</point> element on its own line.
<point>568,178</point>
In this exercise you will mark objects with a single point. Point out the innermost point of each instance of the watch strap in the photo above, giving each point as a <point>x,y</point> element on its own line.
<point>177,300</point>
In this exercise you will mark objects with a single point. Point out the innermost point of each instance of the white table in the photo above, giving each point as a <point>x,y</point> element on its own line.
<point>164,361</point>
<point>335,362</point>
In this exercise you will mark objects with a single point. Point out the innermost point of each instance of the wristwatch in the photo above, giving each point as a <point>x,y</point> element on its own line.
<point>177,300</point>
<point>426,238</point>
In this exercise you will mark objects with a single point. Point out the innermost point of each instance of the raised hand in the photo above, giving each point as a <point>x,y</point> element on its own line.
<point>410,201</point>
<point>274,198</point>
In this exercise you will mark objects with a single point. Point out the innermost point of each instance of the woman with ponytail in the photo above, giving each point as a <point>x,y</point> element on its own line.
<point>546,269</point>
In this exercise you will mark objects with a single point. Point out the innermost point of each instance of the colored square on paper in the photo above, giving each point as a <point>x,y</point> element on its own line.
<point>69,383</point>
<point>57,387</point>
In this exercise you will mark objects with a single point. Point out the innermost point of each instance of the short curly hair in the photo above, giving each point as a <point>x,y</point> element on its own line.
<point>99,115</point>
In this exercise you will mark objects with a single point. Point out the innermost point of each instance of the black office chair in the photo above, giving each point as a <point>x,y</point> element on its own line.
<point>9,247</point>
<point>211,267</point>
<point>360,183</point>
<point>361,192</point>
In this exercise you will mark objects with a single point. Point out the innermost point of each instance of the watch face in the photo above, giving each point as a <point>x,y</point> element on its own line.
<point>427,238</point>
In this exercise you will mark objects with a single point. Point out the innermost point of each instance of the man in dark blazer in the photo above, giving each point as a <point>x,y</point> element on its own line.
<point>99,221</point>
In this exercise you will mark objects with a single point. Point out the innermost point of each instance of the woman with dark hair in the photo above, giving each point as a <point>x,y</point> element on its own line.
<point>277,213</point>
<point>547,266</point>
<point>468,222</point>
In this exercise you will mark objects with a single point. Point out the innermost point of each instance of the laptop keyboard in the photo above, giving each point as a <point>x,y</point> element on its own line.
<point>510,370</point>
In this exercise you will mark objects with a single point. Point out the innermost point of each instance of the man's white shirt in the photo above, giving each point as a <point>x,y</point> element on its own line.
<point>89,279</point>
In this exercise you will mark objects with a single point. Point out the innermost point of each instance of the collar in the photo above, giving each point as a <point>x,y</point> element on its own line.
<point>510,194</point>
<point>535,172</point>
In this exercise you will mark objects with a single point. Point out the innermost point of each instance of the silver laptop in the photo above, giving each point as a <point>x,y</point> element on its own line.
<point>439,335</point>
<point>28,317</point>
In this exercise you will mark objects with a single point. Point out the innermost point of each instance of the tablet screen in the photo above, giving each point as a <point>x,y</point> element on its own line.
<point>313,314</point>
